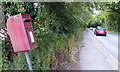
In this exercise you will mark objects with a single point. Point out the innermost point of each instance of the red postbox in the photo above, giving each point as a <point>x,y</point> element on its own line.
<point>21,32</point>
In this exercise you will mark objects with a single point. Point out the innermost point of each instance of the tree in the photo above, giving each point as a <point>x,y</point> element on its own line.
<point>54,25</point>
<point>109,15</point>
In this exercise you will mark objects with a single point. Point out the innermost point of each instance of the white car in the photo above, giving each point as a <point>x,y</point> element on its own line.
<point>91,28</point>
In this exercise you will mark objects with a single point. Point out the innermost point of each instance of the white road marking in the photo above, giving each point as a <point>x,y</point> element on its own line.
<point>116,62</point>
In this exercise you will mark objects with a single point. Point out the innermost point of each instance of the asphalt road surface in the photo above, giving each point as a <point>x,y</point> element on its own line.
<point>93,55</point>
<point>109,42</point>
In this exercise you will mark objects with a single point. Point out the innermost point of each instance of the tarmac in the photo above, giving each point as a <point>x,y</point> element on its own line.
<point>92,56</point>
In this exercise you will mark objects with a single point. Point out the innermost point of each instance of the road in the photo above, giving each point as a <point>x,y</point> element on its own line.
<point>109,42</point>
<point>99,52</point>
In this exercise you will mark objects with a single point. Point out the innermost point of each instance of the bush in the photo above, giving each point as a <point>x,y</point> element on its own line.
<point>56,32</point>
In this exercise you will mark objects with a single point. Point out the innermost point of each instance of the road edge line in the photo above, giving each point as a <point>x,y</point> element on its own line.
<point>115,61</point>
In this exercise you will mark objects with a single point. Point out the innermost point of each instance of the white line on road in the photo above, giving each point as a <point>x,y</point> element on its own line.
<point>116,62</point>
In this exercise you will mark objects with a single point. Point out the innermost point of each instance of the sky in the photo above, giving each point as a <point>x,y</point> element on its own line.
<point>95,11</point>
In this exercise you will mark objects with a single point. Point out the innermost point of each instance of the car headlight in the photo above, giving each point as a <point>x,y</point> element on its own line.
<point>97,30</point>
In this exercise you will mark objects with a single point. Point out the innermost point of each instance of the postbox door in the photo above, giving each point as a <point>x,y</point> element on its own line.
<point>30,32</point>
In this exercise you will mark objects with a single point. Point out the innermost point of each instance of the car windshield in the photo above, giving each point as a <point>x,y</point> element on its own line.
<point>101,28</point>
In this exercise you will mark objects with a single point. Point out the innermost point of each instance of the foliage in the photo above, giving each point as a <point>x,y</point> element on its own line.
<point>56,26</point>
<point>109,15</point>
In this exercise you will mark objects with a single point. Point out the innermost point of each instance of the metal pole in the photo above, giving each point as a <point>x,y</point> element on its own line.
<point>28,61</point>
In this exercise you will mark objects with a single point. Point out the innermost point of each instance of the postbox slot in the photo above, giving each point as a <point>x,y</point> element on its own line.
<point>27,20</point>
<point>28,27</point>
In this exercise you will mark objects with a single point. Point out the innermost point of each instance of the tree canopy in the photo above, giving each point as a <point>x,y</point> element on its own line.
<point>57,26</point>
<point>109,15</point>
